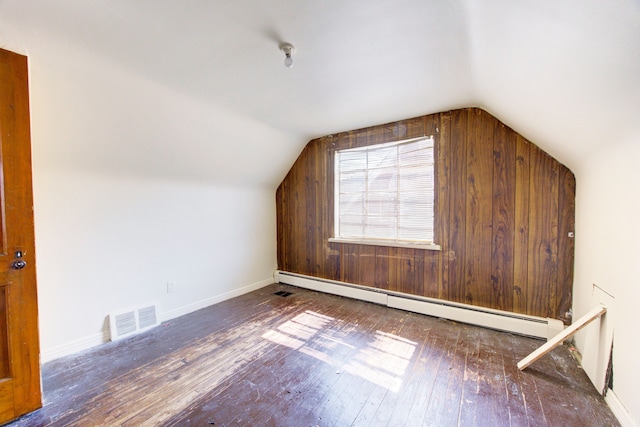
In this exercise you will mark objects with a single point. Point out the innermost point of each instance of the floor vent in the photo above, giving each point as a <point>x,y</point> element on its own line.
<point>283,294</point>
<point>133,321</point>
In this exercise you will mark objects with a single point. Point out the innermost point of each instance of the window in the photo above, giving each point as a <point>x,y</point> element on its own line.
<point>384,194</point>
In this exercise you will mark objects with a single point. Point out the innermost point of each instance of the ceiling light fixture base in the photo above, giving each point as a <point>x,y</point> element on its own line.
<point>288,50</point>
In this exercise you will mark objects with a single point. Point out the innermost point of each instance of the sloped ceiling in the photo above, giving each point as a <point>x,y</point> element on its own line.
<point>565,74</point>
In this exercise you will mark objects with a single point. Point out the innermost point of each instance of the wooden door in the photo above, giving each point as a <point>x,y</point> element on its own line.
<point>19,346</point>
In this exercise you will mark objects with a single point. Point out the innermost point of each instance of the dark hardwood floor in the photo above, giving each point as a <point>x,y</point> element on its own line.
<point>312,359</point>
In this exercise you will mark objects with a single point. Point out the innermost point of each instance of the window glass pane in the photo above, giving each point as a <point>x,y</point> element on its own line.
<point>382,204</point>
<point>352,182</point>
<point>386,191</point>
<point>412,178</point>
<point>352,160</point>
<point>416,205</point>
<point>408,228</point>
<point>351,226</point>
<point>414,158</point>
<point>352,204</point>
<point>382,157</point>
<point>380,227</point>
<point>424,146</point>
<point>382,179</point>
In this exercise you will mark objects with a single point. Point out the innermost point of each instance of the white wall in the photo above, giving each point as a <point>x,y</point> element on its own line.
<point>109,242</point>
<point>608,254</point>
<point>135,185</point>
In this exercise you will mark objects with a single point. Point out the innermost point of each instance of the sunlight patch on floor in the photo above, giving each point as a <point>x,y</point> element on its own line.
<point>383,361</point>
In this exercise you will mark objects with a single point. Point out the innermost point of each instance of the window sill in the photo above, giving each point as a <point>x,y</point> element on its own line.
<point>390,243</point>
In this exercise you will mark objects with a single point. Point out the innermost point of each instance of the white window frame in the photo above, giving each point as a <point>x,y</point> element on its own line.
<point>392,242</point>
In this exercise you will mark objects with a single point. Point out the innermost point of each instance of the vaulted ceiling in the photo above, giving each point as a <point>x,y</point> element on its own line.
<point>565,74</point>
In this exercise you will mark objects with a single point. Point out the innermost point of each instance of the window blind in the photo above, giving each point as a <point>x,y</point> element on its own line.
<point>386,191</point>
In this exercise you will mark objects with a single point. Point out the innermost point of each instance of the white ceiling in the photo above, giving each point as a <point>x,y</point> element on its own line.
<point>565,74</point>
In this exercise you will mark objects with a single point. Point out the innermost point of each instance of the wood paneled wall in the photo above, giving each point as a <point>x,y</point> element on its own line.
<point>504,211</point>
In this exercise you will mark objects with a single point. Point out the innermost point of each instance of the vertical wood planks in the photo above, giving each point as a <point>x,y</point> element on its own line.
<point>457,205</point>
<point>332,257</point>
<point>543,228</point>
<point>504,209</point>
<point>281,249</point>
<point>479,187</point>
<point>310,208</point>
<point>503,239</point>
<point>566,242</point>
<point>521,243</point>
<point>440,264</point>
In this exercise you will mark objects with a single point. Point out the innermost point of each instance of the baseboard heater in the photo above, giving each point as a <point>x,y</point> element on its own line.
<point>533,326</point>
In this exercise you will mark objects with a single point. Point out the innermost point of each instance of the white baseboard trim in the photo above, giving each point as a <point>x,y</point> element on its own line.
<point>190,308</point>
<point>618,409</point>
<point>539,327</point>
<point>99,338</point>
<point>74,346</point>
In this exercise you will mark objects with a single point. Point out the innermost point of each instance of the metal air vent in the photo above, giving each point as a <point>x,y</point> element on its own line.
<point>133,321</point>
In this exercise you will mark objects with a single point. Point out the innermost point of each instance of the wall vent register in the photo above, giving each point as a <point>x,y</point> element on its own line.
<point>130,322</point>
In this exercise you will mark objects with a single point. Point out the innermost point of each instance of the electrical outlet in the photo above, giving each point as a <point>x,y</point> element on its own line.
<point>171,287</point>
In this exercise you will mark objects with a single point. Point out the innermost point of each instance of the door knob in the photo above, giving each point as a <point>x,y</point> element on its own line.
<point>18,264</point>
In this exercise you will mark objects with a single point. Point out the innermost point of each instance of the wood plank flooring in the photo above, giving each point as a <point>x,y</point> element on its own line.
<point>312,359</point>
